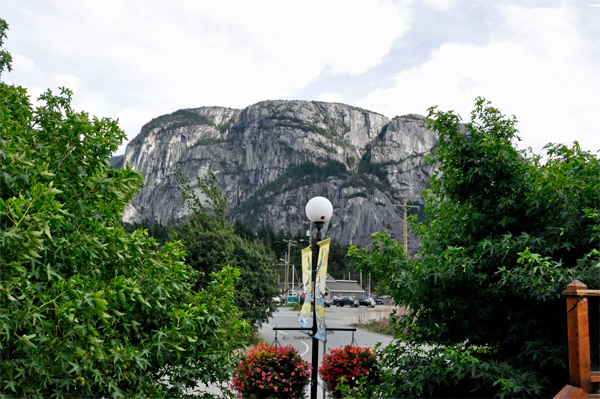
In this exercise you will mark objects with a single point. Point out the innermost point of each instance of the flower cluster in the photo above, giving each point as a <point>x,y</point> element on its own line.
<point>350,371</point>
<point>267,372</point>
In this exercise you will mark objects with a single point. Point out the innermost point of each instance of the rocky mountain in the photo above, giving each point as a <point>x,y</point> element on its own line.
<point>273,156</point>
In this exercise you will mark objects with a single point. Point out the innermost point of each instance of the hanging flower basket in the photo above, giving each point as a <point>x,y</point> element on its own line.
<point>350,371</point>
<point>269,372</point>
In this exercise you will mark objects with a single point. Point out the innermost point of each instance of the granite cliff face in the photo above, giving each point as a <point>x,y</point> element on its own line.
<point>273,156</point>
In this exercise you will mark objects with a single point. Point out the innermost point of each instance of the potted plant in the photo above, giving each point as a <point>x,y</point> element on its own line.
<point>350,371</point>
<point>270,372</point>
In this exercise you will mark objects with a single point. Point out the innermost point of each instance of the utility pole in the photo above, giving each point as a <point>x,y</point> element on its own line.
<point>290,243</point>
<point>406,206</point>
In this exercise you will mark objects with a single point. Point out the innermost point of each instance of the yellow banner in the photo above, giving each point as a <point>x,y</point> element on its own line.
<point>319,297</point>
<point>306,270</point>
<point>306,312</point>
<point>322,267</point>
<point>320,294</point>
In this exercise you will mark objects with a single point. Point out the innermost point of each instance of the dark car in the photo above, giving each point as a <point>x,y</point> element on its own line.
<point>341,301</point>
<point>369,302</point>
<point>379,301</point>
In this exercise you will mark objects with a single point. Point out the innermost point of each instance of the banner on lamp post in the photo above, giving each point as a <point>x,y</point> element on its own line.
<point>306,314</point>
<point>320,289</point>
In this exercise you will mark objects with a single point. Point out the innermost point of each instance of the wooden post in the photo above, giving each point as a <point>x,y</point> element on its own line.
<point>579,336</point>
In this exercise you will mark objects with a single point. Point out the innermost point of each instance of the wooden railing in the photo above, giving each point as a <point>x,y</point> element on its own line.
<point>581,376</point>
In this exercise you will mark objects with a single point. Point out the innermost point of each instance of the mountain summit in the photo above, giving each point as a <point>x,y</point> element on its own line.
<point>272,157</point>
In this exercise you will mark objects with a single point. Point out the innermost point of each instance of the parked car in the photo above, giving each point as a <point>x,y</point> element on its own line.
<point>379,301</point>
<point>327,303</point>
<point>277,300</point>
<point>341,301</point>
<point>369,302</point>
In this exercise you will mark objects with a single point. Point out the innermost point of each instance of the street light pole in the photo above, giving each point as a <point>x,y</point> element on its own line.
<point>318,211</point>
<point>315,341</point>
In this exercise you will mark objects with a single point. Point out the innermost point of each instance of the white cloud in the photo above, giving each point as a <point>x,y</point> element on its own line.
<point>440,5</point>
<point>162,56</point>
<point>23,63</point>
<point>540,72</point>
<point>286,43</point>
<point>142,58</point>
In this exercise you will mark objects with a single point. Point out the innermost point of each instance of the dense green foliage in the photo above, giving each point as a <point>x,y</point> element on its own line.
<point>274,243</point>
<point>210,244</point>
<point>157,231</point>
<point>88,310</point>
<point>507,232</point>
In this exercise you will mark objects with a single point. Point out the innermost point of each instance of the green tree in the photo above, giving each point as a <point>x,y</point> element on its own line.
<point>242,230</point>
<point>506,233</point>
<point>210,244</point>
<point>88,310</point>
<point>155,230</point>
<point>5,57</point>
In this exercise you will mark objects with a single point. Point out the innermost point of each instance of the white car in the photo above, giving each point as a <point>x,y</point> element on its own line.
<point>277,300</point>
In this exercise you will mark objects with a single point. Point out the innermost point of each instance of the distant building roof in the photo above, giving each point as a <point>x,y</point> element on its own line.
<point>349,286</point>
<point>331,285</point>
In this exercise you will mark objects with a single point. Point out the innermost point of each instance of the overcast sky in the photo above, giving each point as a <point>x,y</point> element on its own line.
<point>136,60</point>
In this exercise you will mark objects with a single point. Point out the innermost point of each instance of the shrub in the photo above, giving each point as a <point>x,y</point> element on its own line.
<point>350,371</point>
<point>267,372</point>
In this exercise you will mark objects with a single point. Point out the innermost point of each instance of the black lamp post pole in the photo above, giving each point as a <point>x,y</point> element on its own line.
<point>315,341</point>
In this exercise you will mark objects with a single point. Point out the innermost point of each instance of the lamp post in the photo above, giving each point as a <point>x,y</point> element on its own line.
<point>318,211</point>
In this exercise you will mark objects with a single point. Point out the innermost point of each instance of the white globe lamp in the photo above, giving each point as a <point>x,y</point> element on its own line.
<point>319,209</point>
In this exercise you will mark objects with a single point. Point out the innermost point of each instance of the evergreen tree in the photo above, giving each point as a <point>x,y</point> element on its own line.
<point>210,243</point>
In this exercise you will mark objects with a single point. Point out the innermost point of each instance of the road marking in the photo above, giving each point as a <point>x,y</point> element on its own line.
<point>306,351</point>
<point>279,331</point>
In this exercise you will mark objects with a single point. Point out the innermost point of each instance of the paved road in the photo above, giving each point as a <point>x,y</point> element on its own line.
<point>340,317</point>
<point>334,317</point>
